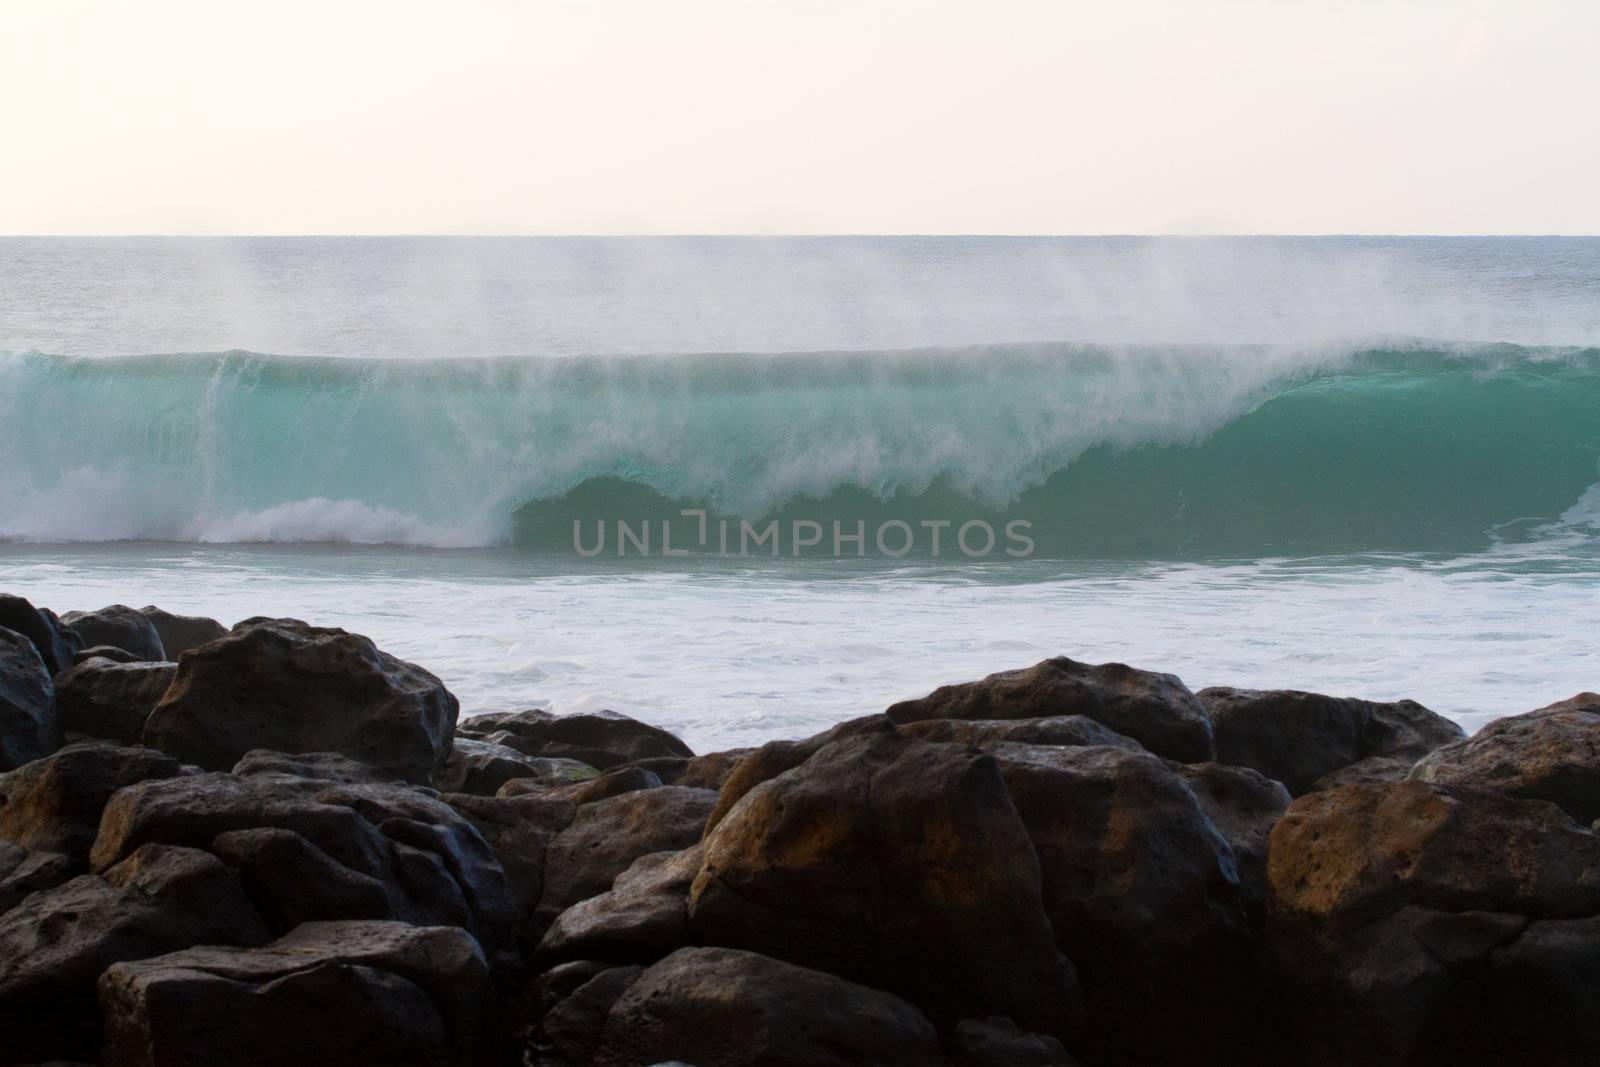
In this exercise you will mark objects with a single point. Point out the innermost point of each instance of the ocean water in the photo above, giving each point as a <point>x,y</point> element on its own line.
<point>1368,466</point>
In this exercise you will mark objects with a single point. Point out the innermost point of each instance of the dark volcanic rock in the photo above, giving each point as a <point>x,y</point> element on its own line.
<point>1399,913</point>
<point>1244,806</point>
<point>897,863</point>
<point>602,739</point>
<point>1374,770</point>
<point>716,1007</point>
<point>1143,895</point>
<point>23,872</point>
<point>119,626</point>
<point>518,829</point>
<point>317,766</point>
<point>1078,730</point>
<point>642,917</point>
<point>607,836</point>
<point>110,652</point>
<point>570,1031</point>
<point>1156,710</point>
<point>709,771</point>
<point>1298,737</point>
<point>180,633</point>
<point>55,645</point>
<point>100,697</point>
<point>610,784</point>
<point>482,767</point>
<point>328,993</point>
<point>776,757</point>
<point>54,804</point>
<point>28,727</point>
<point>283,685</point>
<point>55,944</point>
<point>1550,754</point>
<point>997,1042</point>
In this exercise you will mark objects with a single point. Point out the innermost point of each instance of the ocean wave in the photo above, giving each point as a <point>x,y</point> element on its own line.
<point>1167,451</point>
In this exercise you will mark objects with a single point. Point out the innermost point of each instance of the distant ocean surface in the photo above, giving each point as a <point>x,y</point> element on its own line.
<point>1367,466</point>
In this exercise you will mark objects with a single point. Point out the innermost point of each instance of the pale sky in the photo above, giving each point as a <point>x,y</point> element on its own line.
<point>799,116</point>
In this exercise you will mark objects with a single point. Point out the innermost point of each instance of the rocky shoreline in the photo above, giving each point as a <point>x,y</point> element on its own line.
<point>277,844</point>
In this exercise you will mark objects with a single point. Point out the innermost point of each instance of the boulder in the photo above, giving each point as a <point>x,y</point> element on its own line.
<point>518,829</point>
<point>1298,737</point>
<point>23,873</point>
<point>28,728</point>
<point>316,766</point>
<point>1399,913</point>
<point>334,993</point>
<point>180,633</point>
<point>55,944</point>
<point>602,739</point>
<point>1374,770</point>
<point>110,652</point>
<point>100,697</point>
<point>54,644</point>
<point>716,1007</point>
<point>1143,895</point>
<point>482,767</point>
<point>776,757</point>
<point>605,837</point>
<point>897,863</point>
<point>283,685</point>
<point>610,784</point>
<point>642,917</point>
<point>1244,806</point>
<point>1156,710</point>
<point>1077,730</point>
<point>54,804</point>
<point>997,1042</point>
<point>119,626</point>
<point>709,771</point>
<point>1550,754</point>
<point>543,772</point>
<point>569,1030</point>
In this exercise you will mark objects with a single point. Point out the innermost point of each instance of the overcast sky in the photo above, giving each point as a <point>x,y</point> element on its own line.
<point>799,116</point>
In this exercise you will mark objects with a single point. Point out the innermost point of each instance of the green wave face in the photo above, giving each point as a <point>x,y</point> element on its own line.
<point>1174,452</point>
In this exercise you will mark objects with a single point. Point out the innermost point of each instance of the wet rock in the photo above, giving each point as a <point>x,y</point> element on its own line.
<point>605,837</point>
<point>28,728</point>
<point>100,697</point>
<point>711,770</point>
<point>119,626</point>
<point>602,739</point>
<point>720,1008</point>
<point>23,872</point>
<point>1398,911</point>
<point>1244,806</point>
<point>1156,710</point>
<point>280,684</point>
<point>54,804</point>
<point>610,784</point>
<point>642,917</point>
<point>110,652</point>
<point>1550,754</point>
<point>55,944</point>
<point>570,1030</point>
<point>1374,770</point>
<point>997,1042</point>
<point>482,767</point>
<point>351,992</point>
<point>518,829</point>
<point>180,633</point>
<point>776,757</point>
<point>316,766</point>
<point>55,645</point>
<point>1298,737</point>
<point>896,863</point>
<point>1143,895</point>
<point>1076,730</point>
<point>543,773</point>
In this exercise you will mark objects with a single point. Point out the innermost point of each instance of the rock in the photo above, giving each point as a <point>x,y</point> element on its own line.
<point>1078,730</point>
<point>119,626</point>
<point>518,829</point>
<point>605,837</point>
<point>897,863</point>
<point>100,697</point>
<point>54,644</point>
<point>482,767</point>
<point>1156,710</point>
<point>283,685</point>
<point>1398,911</point>
<point>611,784</point>
<point>317,766</point>
<point>1550,754</point>
<point>1542,989</point>
<point>55,944</point>
<point>1298,737</point>
<point>996,1042</point>
<point>1142,893</point>
<point>28,728</point>
<point>776,757</point>
<point>709,771</point>
<point>545,773</point>
<point>110,652</point>
<point>180,633</point>
<point>602,739</point>
<point>570,1030</point>
<point>334,993</point>
<point>54,804</point>
<point>717,1007</point>
<point>1244,806</point>
<point>1374,770</point>
<point>23,872</point>
<point>433,865</point>
<point>642,917</point>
